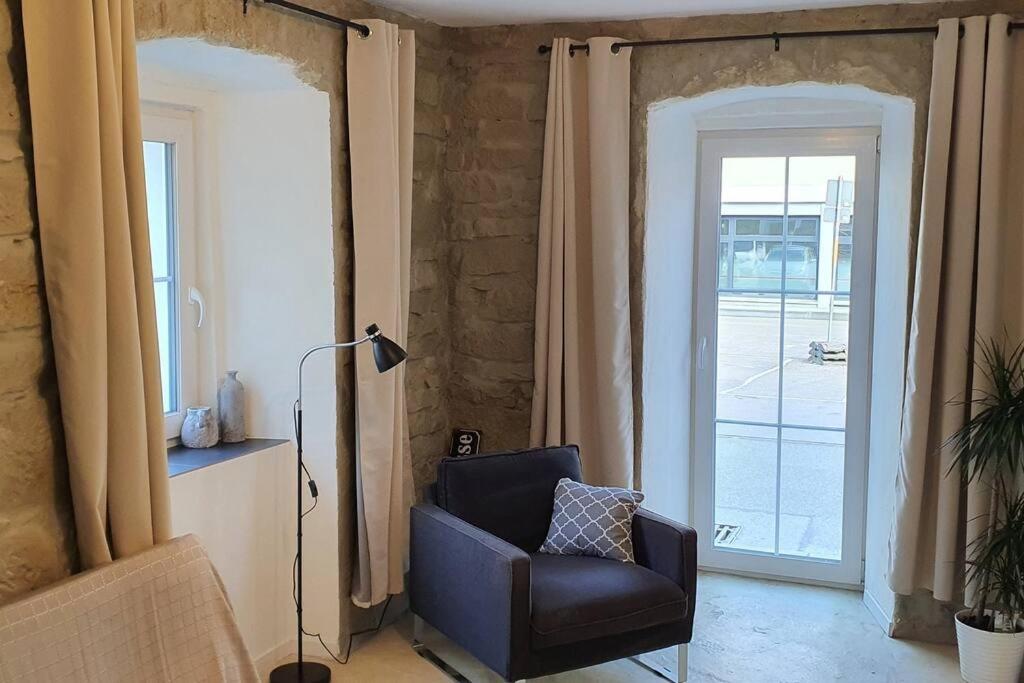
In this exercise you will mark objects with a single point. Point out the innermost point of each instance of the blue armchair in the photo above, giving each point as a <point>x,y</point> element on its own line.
<point>476,576</point>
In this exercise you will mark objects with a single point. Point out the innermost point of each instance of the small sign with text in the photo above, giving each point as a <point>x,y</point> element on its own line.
<point>465,442</point>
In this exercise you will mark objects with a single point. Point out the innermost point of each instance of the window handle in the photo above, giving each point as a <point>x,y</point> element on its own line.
<point>700,352</point>
<point>196,297</point>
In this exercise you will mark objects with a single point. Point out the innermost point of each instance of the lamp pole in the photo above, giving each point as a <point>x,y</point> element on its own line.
<point>387,354</point>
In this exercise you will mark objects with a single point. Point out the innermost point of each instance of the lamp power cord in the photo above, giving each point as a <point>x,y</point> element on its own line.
<point>295,563</point>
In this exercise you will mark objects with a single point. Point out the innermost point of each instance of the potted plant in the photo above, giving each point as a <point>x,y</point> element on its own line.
<point>989,450</point>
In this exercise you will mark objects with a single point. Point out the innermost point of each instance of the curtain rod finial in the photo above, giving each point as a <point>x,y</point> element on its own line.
<point>543,49</point>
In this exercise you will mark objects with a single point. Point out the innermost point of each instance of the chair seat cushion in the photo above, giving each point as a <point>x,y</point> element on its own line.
<point>577,598</point>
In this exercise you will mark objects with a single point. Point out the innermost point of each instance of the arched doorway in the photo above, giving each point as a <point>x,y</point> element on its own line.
<point>670,390</point>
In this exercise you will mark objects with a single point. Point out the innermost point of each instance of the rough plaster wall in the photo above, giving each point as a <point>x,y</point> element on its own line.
<point>36,530</point>
<point>36,537</point>
<point>495,160</point>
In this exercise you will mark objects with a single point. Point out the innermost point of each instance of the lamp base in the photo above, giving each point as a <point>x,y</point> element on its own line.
<point>307,672</point>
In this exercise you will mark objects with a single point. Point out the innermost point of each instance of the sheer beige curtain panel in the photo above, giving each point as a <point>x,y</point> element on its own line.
<point>381,87</point>
<point>91,199</point>
<point>582,362</point>
<point>967,286</point>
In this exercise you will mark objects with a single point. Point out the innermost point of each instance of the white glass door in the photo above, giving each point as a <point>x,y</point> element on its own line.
<point>785,265</point>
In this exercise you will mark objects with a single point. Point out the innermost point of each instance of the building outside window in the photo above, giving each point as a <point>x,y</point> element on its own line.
<point>817,247</point>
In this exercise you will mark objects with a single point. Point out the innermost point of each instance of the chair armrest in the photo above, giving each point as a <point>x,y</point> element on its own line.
<point>668,548</point>
<point>472,586</point>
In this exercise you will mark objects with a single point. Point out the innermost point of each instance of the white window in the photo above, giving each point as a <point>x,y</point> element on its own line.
<point>170,181</point>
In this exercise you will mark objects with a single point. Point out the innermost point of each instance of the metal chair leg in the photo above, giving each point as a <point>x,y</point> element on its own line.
<point>661,663</point>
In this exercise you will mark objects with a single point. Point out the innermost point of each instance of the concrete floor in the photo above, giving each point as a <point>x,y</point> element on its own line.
<point>746,631</point>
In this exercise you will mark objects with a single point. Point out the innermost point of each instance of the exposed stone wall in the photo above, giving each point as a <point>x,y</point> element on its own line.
<point>429,313</point>
<point>36,528</point>
<point>493,172</point>
<point>36,537</point>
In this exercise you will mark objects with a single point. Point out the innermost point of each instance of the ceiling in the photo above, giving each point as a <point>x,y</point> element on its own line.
<point>491,12</point>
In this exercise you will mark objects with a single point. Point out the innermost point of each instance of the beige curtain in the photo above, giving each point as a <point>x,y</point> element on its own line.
<point>381,86</point>
<point>91,198</point>
<point>967,285</point>
<point>582,363</point>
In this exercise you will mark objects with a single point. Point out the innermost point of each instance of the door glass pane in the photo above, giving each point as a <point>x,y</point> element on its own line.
<point>748,359</point>
<point>745,476</point>
<point>815,361</point>
<point>753,196</point>
<point>820,187</point>
<point>811,493</point>
<point>785,244</point>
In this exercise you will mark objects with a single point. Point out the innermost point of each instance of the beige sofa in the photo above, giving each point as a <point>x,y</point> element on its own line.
<point>161,615</point>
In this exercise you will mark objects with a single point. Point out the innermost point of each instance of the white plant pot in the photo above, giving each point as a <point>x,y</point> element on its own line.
<point>988,657</point>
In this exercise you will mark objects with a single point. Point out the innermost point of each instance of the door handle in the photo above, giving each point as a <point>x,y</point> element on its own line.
<point>701,349</point>
<point>195,297</point>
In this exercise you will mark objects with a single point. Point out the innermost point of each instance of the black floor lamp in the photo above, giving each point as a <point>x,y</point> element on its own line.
<point>386,354</point>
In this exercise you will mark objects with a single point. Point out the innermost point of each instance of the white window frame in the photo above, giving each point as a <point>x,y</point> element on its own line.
<point>713,146</point>
<point>176,127</point>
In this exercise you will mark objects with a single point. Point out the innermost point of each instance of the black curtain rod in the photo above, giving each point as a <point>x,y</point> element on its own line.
<point>363,29</point>
<point>777,37</point>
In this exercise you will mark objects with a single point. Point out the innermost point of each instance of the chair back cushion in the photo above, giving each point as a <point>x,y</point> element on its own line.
<point>509,494</point>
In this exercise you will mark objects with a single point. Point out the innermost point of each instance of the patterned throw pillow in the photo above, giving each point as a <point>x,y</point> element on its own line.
<point>592,520</point>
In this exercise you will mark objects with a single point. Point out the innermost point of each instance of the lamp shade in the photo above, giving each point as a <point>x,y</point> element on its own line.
<point>386,353</point>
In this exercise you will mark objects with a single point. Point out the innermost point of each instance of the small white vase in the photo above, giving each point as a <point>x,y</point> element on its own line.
<point>199,430</point>
<point>231,407</point>
<point>988,657</point>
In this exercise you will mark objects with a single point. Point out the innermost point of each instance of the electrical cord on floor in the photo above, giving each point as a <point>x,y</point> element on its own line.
<point>295,562</point>
<point>351,636</point>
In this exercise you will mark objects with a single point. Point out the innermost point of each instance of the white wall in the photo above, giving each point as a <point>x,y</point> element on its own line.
<point>276,288</point>
<point>277,299</point>
<point>239,511</point>
<point>892,264</point>
<point>670,350</point>
<point>669,246</point>
<point>266,267</point>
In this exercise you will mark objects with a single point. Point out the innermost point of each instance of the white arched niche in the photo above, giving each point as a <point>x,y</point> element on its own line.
<point>669,245</point>
<point>264,251</point>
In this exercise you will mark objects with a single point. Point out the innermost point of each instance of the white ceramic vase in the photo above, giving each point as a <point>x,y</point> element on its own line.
<point>199,430</point>
<point>988,657</point>
<point>231,408</point>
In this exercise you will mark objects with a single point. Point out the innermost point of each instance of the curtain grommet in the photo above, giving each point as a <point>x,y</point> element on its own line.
<point>367,35</point>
